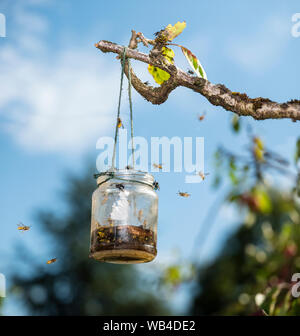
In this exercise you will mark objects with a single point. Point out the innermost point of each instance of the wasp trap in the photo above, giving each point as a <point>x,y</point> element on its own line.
<point>124,218</point>
<point>124,206</point>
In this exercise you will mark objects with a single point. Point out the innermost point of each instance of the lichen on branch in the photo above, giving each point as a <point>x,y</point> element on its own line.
<point>217,94</point>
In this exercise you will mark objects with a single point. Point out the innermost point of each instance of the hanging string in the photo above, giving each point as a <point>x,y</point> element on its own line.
<point>119,109</point>
<point>130,107</point>
<point>111,174</point>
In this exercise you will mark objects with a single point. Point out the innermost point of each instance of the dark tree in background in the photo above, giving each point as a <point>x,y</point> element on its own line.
<point>75,284</point>
<point>257,262</point>
<point>253,273</point>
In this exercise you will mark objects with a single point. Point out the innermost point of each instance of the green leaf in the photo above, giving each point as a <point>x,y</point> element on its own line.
<point>169,54</point>
<point>235,122</point>
<point>171,32</point>
<point>159,75</point>
<point>297,188</point>
<point>232,171</point>
<point>263,200</point>
<point>258,149</point>
<point>233,178</point>
<point>232,164</point>
<point>172,275</point>
<point>194,63</point>
<point>297,154</point>
<point>259,143</point>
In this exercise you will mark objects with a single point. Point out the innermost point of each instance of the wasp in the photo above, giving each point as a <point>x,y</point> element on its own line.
<point>140,214</point>
<point>120,186</point>
<point>146,83</point>
<point>201,117</point>
<point>183,194</point>
<point>101,234</point>
<point>110,222</point>
<point>22,227</point>
<point>156,185</point>
<point>128,167</point>
<point>51,261</point>
<point>190,72</point>
<point>159,165</point>
<point>202,175</point>
<point>120,124</point>
<point>157,33</point>
<point>104,200</point>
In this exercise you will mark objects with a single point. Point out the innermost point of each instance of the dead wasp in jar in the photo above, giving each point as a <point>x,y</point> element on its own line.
<point>156,185</point>
<point>120,186</point>
<point>110,222</point>
<point>22,227</point>
<point>104,200</point>
<point>140,214</point>
<point>51,261</point>
<point>183,194</point>
<point>128,167</point>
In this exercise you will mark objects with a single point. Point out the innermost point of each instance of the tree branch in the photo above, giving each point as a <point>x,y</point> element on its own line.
<point>217,94</point>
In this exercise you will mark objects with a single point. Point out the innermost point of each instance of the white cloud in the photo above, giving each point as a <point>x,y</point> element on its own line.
<point>263,48</point>
<point>54,100</point>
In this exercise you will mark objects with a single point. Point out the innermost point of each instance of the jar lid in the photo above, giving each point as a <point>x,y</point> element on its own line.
<point>129,175</point>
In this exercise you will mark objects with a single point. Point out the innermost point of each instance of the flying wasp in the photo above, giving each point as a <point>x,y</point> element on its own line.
<point>203,175</point>
<point>51,261</point>
<point>120,124</point>
<point>159,165</point>
<point>183,194</point>
<point>22,227</point>
<point>201,117</point>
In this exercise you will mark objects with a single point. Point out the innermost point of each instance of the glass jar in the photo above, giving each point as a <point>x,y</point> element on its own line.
<point>124,218</point>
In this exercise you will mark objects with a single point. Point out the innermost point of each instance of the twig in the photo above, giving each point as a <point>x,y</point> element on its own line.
<point>217,94</point>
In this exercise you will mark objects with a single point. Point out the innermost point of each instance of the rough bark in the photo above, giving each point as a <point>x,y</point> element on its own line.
<point>217,94</point>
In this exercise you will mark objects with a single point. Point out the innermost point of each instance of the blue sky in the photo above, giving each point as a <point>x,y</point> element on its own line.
<point>58,95</point>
